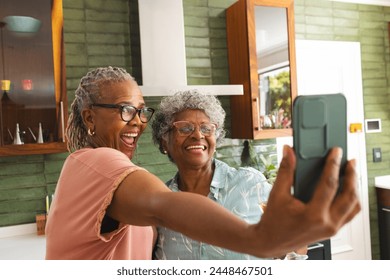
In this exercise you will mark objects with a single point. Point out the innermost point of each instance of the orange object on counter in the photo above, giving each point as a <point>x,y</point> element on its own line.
<point>41,223</point>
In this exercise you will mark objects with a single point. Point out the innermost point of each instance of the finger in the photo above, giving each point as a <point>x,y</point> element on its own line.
<point>347,202</point>
<point>355,210</point>
<point>340,218</point>
<point>329,180</point>
<point>285,178</point>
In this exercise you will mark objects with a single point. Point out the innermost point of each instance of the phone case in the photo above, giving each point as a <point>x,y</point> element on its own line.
<point>319,123</point>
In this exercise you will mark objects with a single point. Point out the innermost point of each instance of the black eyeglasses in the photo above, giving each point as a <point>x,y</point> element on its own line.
<point>128,112</point>
<point>185,128</point>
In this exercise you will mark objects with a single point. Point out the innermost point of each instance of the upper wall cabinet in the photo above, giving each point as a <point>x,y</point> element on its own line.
<point>261,52</point>
<point>33,109</point>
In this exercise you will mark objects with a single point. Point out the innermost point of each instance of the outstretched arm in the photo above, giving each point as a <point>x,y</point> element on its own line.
<point>288,224</point>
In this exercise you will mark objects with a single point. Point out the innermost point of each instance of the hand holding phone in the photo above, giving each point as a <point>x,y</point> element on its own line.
<point>319,123</point>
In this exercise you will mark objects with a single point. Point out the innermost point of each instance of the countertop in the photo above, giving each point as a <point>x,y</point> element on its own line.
<point>382,182</point>
<point>21,242</point>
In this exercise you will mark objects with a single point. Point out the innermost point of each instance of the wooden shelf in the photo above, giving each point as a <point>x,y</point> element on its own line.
<point>33,149</point>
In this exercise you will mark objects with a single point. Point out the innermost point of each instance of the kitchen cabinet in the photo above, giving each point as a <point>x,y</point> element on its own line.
<point>32,73</point>
<point>319,251</point>
<point>261,53</point>
<point>382,187</point>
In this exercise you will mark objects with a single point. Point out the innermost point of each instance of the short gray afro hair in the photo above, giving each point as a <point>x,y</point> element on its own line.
<point>182,101</point>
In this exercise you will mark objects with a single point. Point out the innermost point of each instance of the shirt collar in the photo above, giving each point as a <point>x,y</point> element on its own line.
<point>218,181</point>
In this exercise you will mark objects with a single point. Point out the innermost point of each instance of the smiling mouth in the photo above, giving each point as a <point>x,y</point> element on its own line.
<point>129,138</point>
<point>196,147</point>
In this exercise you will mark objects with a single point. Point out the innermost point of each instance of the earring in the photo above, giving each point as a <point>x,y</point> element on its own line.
<point>91,133</point>
<point>165,152</point>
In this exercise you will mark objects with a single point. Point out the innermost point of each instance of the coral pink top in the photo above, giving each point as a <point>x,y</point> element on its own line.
<point>85,188</point>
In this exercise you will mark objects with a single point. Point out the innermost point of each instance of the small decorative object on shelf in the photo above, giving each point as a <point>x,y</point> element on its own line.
<point>40,134</point>
<point>17,140</point>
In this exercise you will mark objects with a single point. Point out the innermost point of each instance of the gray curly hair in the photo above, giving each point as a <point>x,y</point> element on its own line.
<point>186,100</point>
<point>88,93</point>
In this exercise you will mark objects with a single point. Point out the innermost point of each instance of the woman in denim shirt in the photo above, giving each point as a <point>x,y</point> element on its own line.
<point>187,128</point>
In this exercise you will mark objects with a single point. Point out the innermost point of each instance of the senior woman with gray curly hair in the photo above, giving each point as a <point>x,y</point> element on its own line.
<point>188,127</point>
<point>187,100</point>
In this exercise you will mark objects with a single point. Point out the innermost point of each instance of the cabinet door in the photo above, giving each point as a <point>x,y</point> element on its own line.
<point>33,109</point>
<point>319,251</point>
<point>261,52</point>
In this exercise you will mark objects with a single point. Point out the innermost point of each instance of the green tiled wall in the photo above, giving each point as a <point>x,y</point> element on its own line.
<point>24,183</point>
<point>97,33</point>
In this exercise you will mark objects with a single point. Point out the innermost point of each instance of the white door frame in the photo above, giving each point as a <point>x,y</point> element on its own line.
<point>325,67</point>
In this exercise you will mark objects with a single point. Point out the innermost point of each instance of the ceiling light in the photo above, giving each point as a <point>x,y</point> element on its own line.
<point>22,24</point>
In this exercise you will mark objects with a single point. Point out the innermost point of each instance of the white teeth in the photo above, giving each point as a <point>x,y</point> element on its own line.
<point>130,134</point>
<point>196,147</point>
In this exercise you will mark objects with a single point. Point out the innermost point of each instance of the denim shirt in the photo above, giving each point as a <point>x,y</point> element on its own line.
<point>236,190</point>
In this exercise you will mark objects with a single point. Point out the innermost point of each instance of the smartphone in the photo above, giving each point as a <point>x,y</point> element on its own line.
<point>319,123</point>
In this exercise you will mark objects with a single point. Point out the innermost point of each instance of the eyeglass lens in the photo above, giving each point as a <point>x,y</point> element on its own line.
<point>186,128</point>
<point>129,112</point>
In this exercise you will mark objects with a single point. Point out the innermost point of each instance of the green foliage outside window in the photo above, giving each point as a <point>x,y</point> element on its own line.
<point>280,93</point>
<point>266,165</point>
